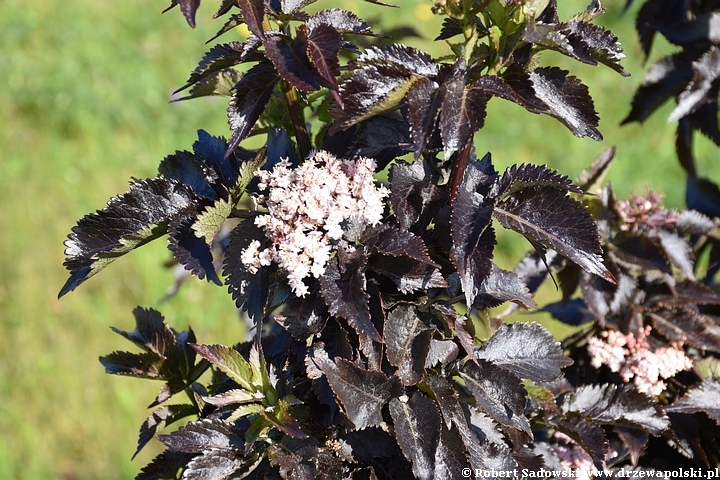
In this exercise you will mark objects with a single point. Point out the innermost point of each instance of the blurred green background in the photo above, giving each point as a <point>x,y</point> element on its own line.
<point>84,88</point>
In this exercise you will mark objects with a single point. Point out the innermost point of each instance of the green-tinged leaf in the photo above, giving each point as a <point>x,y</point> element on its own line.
<point>252,93</point>
<point>702,398</point>
<point>546,215</point>
<point>344,292</point>
<point>528,350</point>
<point>230,362</point>
<point>499,392</point>
<point>141,365</point>
<point>204,435</point>
<point>193,253</point>
<point>373,90</point>
<point>231,397</point>
<point>216,84</point>
<point>417,431</point>
<point>249,290</point>
<point>609,404</point>
<point>363,393</point>
<point>160,418</point>
<point>281,419</point>
<point>244,410</point>
<point>407,342</point>
<point>128,222</point>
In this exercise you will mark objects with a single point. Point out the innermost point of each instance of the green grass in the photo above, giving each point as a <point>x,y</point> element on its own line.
<point>83,107</point>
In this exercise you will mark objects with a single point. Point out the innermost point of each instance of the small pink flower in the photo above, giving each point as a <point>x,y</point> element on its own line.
<point>307,208</point>
<point>633,358</point>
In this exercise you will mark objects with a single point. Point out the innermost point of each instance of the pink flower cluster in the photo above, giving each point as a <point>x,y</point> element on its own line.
<point>645,212</point>
<point>631,357</point>
<point>307,208</point>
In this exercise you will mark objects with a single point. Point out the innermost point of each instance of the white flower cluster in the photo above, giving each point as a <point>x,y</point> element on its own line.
<point>307,208</point>
<point>632,357</point>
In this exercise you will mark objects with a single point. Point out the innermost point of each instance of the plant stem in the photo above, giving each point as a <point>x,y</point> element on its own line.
<point>302,137</point>
<point>459,170</point>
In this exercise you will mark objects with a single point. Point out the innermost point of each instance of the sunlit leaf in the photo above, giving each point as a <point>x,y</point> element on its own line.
<point>417,431</point>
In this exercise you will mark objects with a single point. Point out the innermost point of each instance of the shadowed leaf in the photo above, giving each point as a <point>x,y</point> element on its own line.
<point>417,431</point>
<point>407,342</point>
<point>363,393</point>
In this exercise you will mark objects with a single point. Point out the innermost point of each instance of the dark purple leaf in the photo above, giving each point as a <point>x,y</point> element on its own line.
<point>129,221</point>
<point>342,20</point>
<point>408,60</point>
<point>363,393</point>
<point>401,243</point>
<point>663,80</point>
<point>548,216</point>
<point>382,138</point>
<point>161,418</point>
<point>450,458</point>
<point>141,365</point>
<point>567,100</point>
<point>230,24</point>
<point>221,57</point>
<point>635,441</point>
<point>189,8</point>
<point>407,342</point>
<point>441,352</point>
<point>687,293</point>
<point>253,13</point>
<point>605,299</point>
<point>424,101</point>
<point>702,398</point>
<point>214,464</point>
<point>602,45</point>
<point>192,252</point>
<point>528,350</point>
<point>252,94</point>
<point>705,118</point>
<point>678,251</point>
<point>290,58</point>
<point>187,168</point>
<point>412,190</point>
<point>499,392</point>
<point>294,458</point>
<point>608,404</point>
<point>450,28</point>
<point>343,288</point>
<point>168,464</point>
<point>688,326</point>
<point>695,223</point>
<point>706,72</point>
<point>407,274</point>
<point>591,179</point>
<point>560,38</point>
<point>463,110</point>
<point>417,431</point>
<point>515,85</point>
<point>702,195</point>
<point>472,233</point>
<point>503,286</point>
<point>203,435</point>
<point>518,177</point>
<point>589,436</point>
<point>323,45</point>
<point>250,291</point>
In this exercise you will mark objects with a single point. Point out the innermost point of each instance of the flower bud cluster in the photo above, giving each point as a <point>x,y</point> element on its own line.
<point>645,212</point>
<point>307,208</point>
<point>632,357</point>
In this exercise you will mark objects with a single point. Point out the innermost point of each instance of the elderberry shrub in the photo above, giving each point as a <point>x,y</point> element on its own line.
<point>365,297</point>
